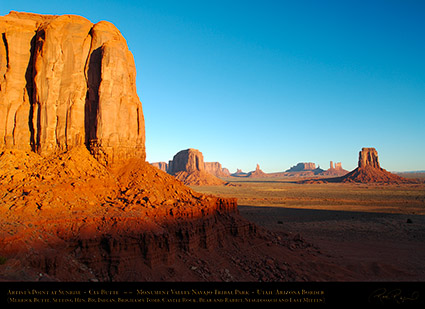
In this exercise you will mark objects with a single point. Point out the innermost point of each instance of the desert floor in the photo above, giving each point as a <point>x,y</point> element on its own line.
<point>377,231</point>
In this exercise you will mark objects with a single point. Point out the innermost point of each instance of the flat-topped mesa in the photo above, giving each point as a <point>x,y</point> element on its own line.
<point>304,166</point>
<point>215,168</point>
<point>66,82</point>
<point>368,157</point>
<point>188,166</point>
<point>189,160</point>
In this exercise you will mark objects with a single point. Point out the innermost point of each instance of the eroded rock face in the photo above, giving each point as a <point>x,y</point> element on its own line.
<point>215,168</point>
<point>163,166</point>
<point>302,167</point>
<point>368,171</point>
<point>258,173</point>
<point>121,221</point>
<point>65,82</point>
<point>338,166</point>
<point>368,157</point>
<point>188,166</point>
<point>189,160</point>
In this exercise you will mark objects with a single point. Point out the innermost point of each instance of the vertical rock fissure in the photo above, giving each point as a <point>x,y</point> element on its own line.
<point>6,47</point>
<point>87,118</point>
<point>13,130</point>
<point>3,35</point>
<point>91,109</point>
<point>29,85</point>
<point>138,122</point>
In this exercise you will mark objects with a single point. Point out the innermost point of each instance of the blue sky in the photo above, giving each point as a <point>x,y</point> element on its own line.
<point>273,82</point>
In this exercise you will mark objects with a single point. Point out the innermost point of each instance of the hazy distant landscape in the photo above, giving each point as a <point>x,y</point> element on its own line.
<point>413,174</point>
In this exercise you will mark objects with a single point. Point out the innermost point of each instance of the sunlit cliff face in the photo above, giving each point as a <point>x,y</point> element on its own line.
<point>368,157</point>
<point>67,82</point>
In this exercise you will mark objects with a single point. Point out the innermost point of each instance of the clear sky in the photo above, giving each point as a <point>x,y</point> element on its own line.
<point>273,82</point>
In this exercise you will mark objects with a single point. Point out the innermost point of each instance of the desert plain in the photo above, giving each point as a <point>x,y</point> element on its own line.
<point>375,231</point>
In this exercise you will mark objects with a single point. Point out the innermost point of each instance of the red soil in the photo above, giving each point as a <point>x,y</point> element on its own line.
<point>198,178</point>
<point>369,174</point>
<point>366,174</point>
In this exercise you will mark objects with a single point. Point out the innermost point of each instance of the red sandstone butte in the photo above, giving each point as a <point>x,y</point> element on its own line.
<point>215,168</point>
<point>367,171</point>
<point>188,166</point>
<point>334,170</point>
<point>258,173</point>
<point>370,171</point>
<point>67,82</point>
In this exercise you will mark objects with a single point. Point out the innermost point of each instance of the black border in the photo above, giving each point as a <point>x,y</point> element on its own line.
<point>203,293</point>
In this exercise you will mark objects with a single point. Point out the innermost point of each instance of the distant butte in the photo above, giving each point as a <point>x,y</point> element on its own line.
<point>215,168</point>
<point>258,173</point>
<point>367,171</point>
<point>189,167</point>
<point>370,171</point>
<point>300,167</point>
<point>335,170</point>
<point>239,173</point>
<point>212,168</point>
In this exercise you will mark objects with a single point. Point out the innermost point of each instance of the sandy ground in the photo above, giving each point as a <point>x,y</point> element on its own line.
<point>378,232</point>
<point>380,246</point>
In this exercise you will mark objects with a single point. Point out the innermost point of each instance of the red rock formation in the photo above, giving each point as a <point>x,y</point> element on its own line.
<point>239,173</point>
<point>258,173</point>
<point>75,214</point>
<point>338,166</point>
<point>189,160</point>
<point>334,171</point>
<point>302,167</point>
<point>215,168</point>
<point>368,158</point>
<point>188,166</point>
<point>163,166</point>
<point>66,82</point>
<point>369,170</point>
